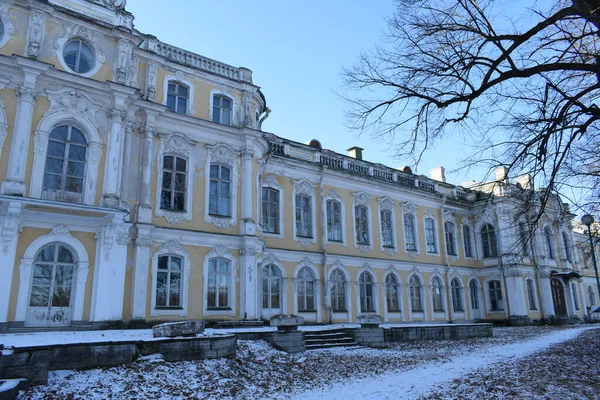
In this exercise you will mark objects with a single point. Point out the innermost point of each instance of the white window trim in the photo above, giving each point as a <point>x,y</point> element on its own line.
<point>225,92</point>
<point>435,312</point>
<point>387,313</point>
<point>271,260</point>
<point>317,288</point>
<point>387,204</point>
<point>362,199</point>
<point>220,252</point>
<point>59,234</point>
<point>9,29</point>
<point>337,265</point>
<point>175,144</point>
<point>563,247</point>
<point>535,295</point>
<point>590,289</point>
<point>171,247</point>
<point>179,77</point>
<point>465,222</point>
<point>552,243</point>
<point>333,195</point>
<point>480,301</point>
<point>367,268</point>
<point>453,276</point>
<point>223,155</point>
<point>56,116</point>
<point>422,295</point>
<point>304,187</point>
<point>479,226</point>
<point>410,208</point>
<point>83,34</point>
<point>271,182</point>
<point>450,217</point>
<point>488,299</point>
<point>429,215</point>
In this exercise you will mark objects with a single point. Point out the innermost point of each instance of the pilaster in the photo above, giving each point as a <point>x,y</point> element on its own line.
<point>546,289</point>
<point>144,209</point>
<point>142,244</point>
<point>515,290</point>
<point>113,158</point>
<point>248,225</point>
<point>9,230</point>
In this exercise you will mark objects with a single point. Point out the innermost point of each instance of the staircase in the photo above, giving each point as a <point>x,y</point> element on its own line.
<point>327,339</point>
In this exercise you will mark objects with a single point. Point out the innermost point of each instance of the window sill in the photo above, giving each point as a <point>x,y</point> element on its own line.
<point>370,311</point>
<point>389,247</point>
<point>335,241</point>
<point>459,311</point>
<point>218,309</point>
<point>172,210</point>
<point>417,311</point>
<point>303,237</point>
<point>339,311</point>
<point>271,233</point>
<point>307,311</point>
<point>497,310</point>
<point>394,311</point>
<point>439,311</point>
<point>168,308</point>
<point>363,244</point>
<point>220,216</point>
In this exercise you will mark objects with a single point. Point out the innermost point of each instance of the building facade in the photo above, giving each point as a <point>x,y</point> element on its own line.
<point>137,185</point>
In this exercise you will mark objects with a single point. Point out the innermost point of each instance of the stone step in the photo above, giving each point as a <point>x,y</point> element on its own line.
<point>329,340</point>
<point>240,324</point>
<point>329,345</point>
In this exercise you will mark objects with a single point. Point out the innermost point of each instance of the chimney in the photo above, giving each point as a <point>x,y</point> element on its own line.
<point>501,174</point>
<point>355,152</point>
<point>438,174</point>
<point>524,181</point>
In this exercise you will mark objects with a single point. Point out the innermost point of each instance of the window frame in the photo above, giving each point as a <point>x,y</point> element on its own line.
<point>224,155</point>
<point>468,238</point>
<point>333,287</point>
<point>434,235</point>
<point>437,294</point>
<point>386,205</point>
<point>524,239</point>
<point>574,293</point>
<point>180,78</point>
<point>99,56</point>
<point>531,294</point>
<point>474,294</point>
<point>416,294</point>
<point>550,242</point>
<point>220,180</point>
<point>298,284</point>
<point>567,248</point>
<point>333,196</point>
<point>591,295</point>
<point>175,94</point>
<point>218,306</point>
<point>409,209</point>
<point>169,271</point>
<point>174,173</point>
<point>279,207</point>
<point>221,252</point>
<point>450,239</point>
<point>362,232</point>
<point>457,294</point>
<point>219,95</point>
<point>488,251</point>
<point>389,288</point>
<point>270,279</point>
<point>369,284</point>
<point>494,298</point>
<point>304,188</point>
<point>362,200</point>
<point>171,248</point>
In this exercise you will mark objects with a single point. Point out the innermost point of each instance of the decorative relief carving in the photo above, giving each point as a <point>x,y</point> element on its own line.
<point>219,251</point>
<point>35,33</point>
<point>10,225</point>
<point>116,115</point>
<point>409,208</point>
<point>177,143</point>
<point>143,241</point>
<point>362,199</point>
<point>113,5</point>
<point>73,103</point>
<point>333,194</point>
<point>305,242</point>
<point>449,217</point>
<point>60,230</point>
<point>26,94</point>
<point>304,187</point>
<point>270,181</point>
<point>364,248</point>
<point>389,251</point>
<point>247,252</point>
<point>123,58</point>
<point>148,132</point>
<point>247,153</point>
<point>386,204</point>
<point>132,71</point>
<point>151,81</point>
<point>172,246</point>
<point>222,153</point>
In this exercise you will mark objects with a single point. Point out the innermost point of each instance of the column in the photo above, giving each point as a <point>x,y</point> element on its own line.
<point>515,291</point>
<point>247,227</point>
<point>140,272</point>
<point>248,284</point>
<point>546,289</point>
<point>113,158</point>
<point>19,148</point>
<point>144,212</point>
<point>10,235</point>
<point>109,272</point>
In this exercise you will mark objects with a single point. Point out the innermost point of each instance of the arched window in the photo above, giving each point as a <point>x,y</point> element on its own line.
<point>270,210</point>
<point>392,293</point>
<point>1,29</point>
<point>575,297</point>
<point>549,242</point>
<point>222,110</point>
<point>78,56</point>
<point>531,295</point>
<point>365,282</point>
<point>271,287</point>
<point>488,241</point>
<point>414,284</point>
<point>474,294</point>
<point>306,290</point>
<point>169,282</point>
<point>591,296</point>
<point>178,96</point>
<point>65,165</point>
<point>219,278</point>
<point>334,221</point>
<point>457,298</point>
<point>337,283</point>
<point>220,191</point>
<point>567,246</point>
<point>410,243</point>
<point>174,178</point>
<point>450,238</point>
<point>436,294</point>
<point>53,273</point>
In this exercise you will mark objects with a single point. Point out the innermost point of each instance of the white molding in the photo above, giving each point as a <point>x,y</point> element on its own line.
<point>387,313</point>
<point>220,251</point>
<point>221,154</point>
<point>366,268</point>
<point>362,199</point>
<point>225,91</point>
<point>272,260</point>
<point>59,234</point>
<point>333,195</point>
<point>89,37</point>
<point>410,209</point>
<point>9,27</point>
<point>316,289</point>
<point>68,107</point>
<point>466,222</point>
<point>387,204</point>
<point>429,215</point>
<point>179,77</point>
<point>337,265</point>
<point>269,181</point>
<point>304,187</point>
<point>171,247</point>
<point>176,144</point>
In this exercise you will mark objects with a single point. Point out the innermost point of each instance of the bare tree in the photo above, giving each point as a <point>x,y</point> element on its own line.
<point>520,78</point>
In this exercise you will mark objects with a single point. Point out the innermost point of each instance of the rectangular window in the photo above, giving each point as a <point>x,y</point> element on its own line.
<point>496,301</point>
<point>387,229</point>
<point>361,224</point>
<point>174,174</point>
<point>430,235</point>
<point>168,282</point>
<point>450,238</point>
<point>575,298</point>
<point>303,216</point>
<point>410,243</point>
<point>334,221</point>
<point>531,295</point>
<point>467,241</point>
<point>222,111</point>
<point>177,97</point>
<point>219,278</point>
<point>270,210</point>
<point>220,191</point>
<point>524,239</point>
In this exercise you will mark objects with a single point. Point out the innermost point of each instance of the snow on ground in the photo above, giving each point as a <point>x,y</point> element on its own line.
<point>402,370</point>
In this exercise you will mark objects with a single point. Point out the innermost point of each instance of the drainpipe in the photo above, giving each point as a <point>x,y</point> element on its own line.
<point>264,117</point>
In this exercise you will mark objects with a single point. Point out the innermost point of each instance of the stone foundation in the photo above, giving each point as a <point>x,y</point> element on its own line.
<point>291,342</point>
<point>370,337</point>
<point>444,332</point>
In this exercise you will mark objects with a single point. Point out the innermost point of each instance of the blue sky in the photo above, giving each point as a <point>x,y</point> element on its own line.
<point>296,51</point>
